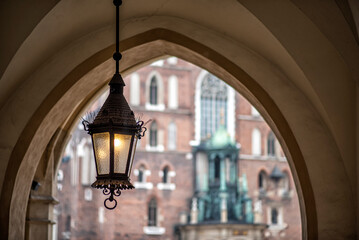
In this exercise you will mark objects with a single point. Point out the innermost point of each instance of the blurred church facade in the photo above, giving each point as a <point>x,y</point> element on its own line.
<point>185,107</point>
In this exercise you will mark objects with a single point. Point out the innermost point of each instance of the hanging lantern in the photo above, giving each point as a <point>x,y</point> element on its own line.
<point>114,133</point>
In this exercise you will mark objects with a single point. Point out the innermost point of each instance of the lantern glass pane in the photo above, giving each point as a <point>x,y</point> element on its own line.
<point>122,147</point>
<point>132,155</point>
<point>101,142</point>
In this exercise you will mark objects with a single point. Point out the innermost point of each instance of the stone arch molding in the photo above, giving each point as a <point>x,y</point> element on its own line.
<point>59,81</point>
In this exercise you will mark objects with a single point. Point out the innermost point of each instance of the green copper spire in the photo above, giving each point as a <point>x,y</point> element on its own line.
<point>221,138</point>
<point>222,195</point>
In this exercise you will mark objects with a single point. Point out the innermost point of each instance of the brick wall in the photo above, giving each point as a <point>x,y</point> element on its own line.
<point>89,219</point>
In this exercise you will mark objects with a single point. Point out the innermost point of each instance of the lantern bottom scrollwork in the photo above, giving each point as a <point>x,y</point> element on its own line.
<point>112,188</point>
<point>112,191</point>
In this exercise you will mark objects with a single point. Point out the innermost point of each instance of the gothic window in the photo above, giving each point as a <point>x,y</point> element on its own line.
<point>256,142</point>
<point>88,168</point>
<point>214,97</point>
<point>165,178</point>
<point>153,91</point>
<point>68,223</point>
<point>153,134</point>
<point>271,144</point>
<point>262,180</point>
<point>135,90</point>
<point>172,92</point>
<point>141,174</point>
<point>274,216</point>
<point>152,212</point>
<point>172,136</point>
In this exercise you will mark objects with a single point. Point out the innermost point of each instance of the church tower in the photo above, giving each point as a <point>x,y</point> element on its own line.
<point>220,194</point>
<point>220,207</point>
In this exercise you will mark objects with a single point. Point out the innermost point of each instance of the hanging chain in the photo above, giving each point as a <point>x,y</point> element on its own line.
<point>117,55</point>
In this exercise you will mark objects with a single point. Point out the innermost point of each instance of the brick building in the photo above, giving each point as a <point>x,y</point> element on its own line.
<point>176,96</point>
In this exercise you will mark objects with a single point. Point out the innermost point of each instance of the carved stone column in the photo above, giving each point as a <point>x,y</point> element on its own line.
<point>40,218</point>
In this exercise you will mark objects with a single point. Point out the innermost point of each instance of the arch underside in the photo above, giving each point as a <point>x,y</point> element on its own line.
<point>64,84</point>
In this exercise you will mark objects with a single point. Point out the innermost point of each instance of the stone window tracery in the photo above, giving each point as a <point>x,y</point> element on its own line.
<point>214,97</point>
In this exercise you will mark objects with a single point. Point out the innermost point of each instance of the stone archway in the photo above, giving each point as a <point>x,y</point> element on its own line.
<point>48,124</point>
<point>303,130</point>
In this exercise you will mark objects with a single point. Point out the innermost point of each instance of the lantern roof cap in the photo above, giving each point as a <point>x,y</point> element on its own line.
<point>115,110</point>
<point>117,80</point>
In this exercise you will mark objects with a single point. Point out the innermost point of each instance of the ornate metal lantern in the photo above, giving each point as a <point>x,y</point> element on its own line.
<point>114,133</point>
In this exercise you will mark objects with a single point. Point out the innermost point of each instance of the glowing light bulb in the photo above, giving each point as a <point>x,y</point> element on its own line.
<point>117,142</point>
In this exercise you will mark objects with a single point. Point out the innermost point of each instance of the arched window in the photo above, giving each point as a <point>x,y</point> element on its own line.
<point>274,216</point>
<point>142,181</point>
<point>165,178</point>
<point>141,174</point>
<point>88,168</point>
<point>172,136</point>
<point>262,180</point>
<point>271,144</point>
<point>256,142</point>
<point>68,223</point>
<point>154,91</point>
<point>217,169</point>
<point>153,134</point>
<point>152,212</point>
<point>172,92</point>
<point>214,97</point>
<point>135,89</point>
